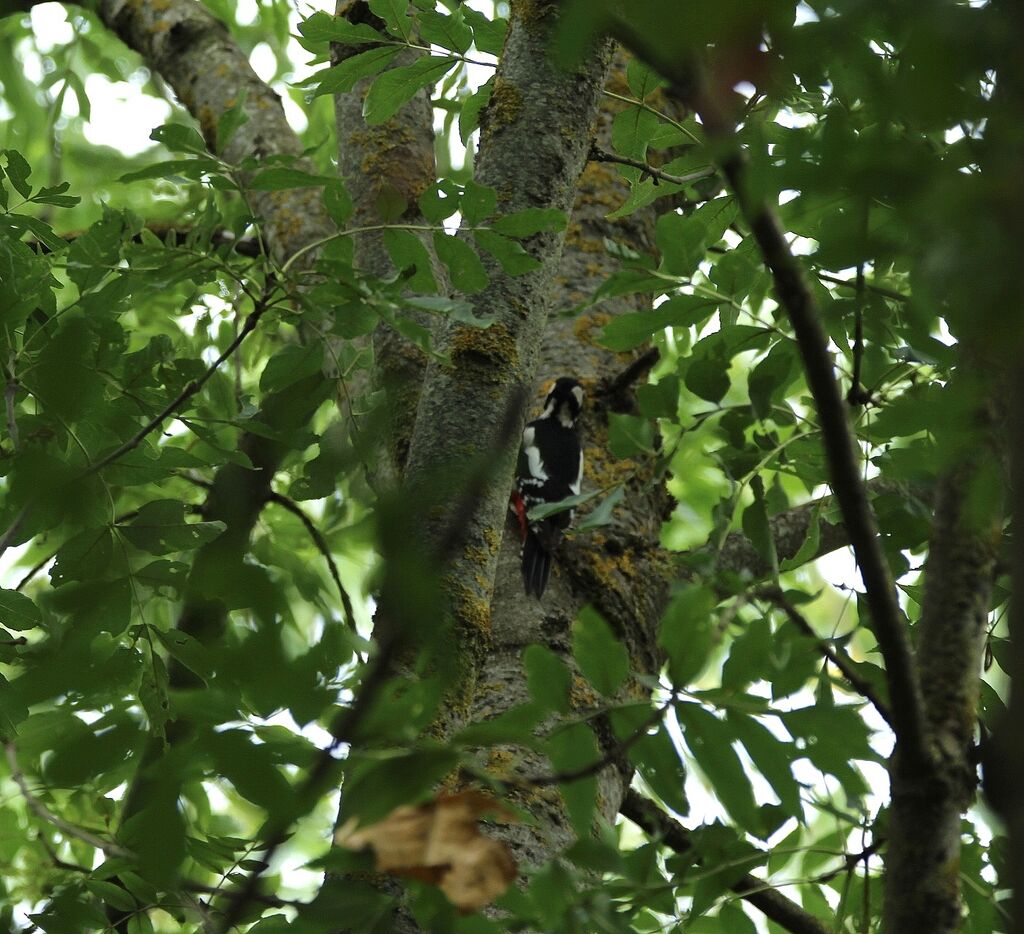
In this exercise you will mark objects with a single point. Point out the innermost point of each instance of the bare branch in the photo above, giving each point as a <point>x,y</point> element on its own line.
<point>656,823</point>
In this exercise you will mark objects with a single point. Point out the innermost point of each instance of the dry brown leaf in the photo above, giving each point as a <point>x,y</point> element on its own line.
<point>440,842</point>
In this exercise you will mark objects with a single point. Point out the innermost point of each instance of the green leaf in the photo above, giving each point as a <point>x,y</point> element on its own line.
<point>660,399</point>
<point>55,195</point>
<point>569,750</point>
<point>770,378</point>
<point>478,203</point>
<point>252,769</point>
<point>291,364</point>
<point>530,221</point>
<point>710,742</point>
<point>624,332</point>
<point>194,168</point>
<point>547,678</point>
<point>156,834</point>
<point>686,633</point>
<point>488,34</point>
<point>18,612</point>
<point>188,651</point>
<point>773,758</point>
<point>601,657</point>
<point>748,656</point>
<point>514,726</point>
<point>809,547</point>
<point>629,435</point>
<point>654,754</point>
<point>399,85</point>
<point>395,15</point>
<point>160,528</point>
<point>178,137</point>
<point>756,526</point>
<point>18,171</point>
<point>343,77</point>
<point>338,202</point>
<point>453,308</point>
<point>544,510</point>
<point>440,201</point>
<point>632,131</point>
<point>510,254</point>
<point>231,121</point>
<point>467,272</point>
<point>376,786</point>
<point>112,895</point>
<point>87,556</point>
<point>472,106</point>
<point>449,32</point>
<point>407,251</point>
<point>601,515</point>
<point>322,27</point>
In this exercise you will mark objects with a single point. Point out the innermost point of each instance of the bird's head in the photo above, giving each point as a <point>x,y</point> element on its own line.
<point>564,401</point>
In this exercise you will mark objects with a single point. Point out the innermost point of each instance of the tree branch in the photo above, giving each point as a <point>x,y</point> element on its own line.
<point>785,913</point>
<point>44,813</point>
<point>839,659</point>
<point>321,543</point>
<point>610,757</point>
<point>600,155</point>
<point>837,436</point>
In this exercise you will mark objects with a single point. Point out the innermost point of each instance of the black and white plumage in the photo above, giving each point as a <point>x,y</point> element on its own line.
<point>550,469</point>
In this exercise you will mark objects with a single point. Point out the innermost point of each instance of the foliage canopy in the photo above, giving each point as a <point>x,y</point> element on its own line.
<point>159,352</point>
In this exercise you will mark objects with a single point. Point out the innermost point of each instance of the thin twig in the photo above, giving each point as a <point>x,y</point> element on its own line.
<point>870,286</point>
<point>321,543</point>
<point>656,823</point>
<point>191,388</point>
<point>44,813</point>
<point>837,436</point>
<point>863,687</point>
<point>611,756</point>
<point>601,155</point>
<point>850,861</point>
<point>42,562</point>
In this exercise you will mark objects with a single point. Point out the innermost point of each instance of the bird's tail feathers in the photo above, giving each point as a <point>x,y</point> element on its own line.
<point>536,565</point>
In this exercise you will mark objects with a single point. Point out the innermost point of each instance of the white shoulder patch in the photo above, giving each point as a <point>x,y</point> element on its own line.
<point>532,453</point>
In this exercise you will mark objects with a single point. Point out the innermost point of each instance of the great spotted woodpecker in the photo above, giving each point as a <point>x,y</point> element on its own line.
<point>550,468</point>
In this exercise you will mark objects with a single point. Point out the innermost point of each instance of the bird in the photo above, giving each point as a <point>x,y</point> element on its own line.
<point>549,469</point>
